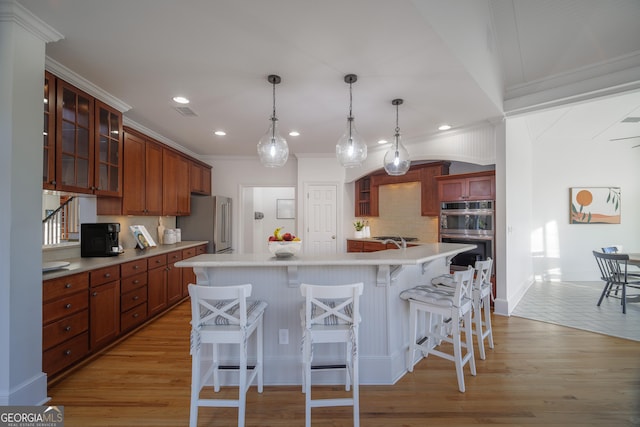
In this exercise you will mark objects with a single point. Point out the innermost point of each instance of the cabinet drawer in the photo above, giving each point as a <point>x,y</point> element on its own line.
<point>64,307</point>
<point>104,275</point>
<point>130,283</point>
<point>202,249</point>
<point>372,246</point>
<point>59,357</point>
<point>133,298</point>
<point>133,317</point>
<point>134,267</point>
<point>157,261</point>
<point>188,253</point>
<point>62,286</point>
<point>354,246</point>
<point>68,327</point>
<point>174,257</point>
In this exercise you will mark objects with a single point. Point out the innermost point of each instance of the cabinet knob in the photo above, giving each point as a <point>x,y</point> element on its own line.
<point>107,275</point>
<point>67,329</point>
<point>95,294</point>
<point>67,285</point>
<point>135,315</point>
<point>67,306</point>
<point>135,267</point>
<point>136,298</point>
<point>67,353</point>
<point>135,282</point>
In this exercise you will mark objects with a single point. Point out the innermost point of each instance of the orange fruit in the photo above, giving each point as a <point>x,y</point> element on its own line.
<point>584,197</point>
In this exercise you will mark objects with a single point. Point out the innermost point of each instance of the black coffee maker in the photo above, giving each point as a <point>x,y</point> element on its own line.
<point>99,239</point>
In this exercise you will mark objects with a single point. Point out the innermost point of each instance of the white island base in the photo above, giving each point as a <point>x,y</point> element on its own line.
<point>384,336</point>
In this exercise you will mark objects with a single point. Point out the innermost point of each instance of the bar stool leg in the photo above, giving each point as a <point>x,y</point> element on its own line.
<point>413,325</point>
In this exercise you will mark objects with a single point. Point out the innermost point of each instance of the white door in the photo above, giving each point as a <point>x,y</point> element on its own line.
<point>322,215</point>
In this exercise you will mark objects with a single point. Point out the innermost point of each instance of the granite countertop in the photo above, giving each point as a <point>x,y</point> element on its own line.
<point>410,256</point>
<point>79,265</point>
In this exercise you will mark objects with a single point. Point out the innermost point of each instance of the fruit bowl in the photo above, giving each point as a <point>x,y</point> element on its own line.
<point>285,249</point>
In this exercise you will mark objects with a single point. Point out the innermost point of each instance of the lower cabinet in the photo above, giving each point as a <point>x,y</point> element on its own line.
<point>104,314</point>
<point>157,285</point>
<point>83,313</point>
<point>65,322</point>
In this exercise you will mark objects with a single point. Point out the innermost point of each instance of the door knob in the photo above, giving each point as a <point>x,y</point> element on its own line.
<point>333,237</point>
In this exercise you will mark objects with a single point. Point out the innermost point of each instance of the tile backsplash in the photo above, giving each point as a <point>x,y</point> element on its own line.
<point>400,214</point>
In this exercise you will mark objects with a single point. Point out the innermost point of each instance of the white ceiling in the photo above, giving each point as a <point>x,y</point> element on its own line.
<point>452,62</point>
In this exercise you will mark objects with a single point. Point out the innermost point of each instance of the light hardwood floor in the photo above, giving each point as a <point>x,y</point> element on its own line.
<point>538,374</point>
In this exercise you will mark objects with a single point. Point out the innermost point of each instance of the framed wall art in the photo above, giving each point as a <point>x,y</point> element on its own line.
<point>595,205</point>
<point>285,208</point>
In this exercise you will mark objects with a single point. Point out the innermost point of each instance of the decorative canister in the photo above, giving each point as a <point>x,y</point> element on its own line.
<point>169,237</point>
<point>178,235</point>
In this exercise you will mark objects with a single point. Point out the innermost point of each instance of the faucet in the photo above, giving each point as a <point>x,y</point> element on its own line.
<point>401,245</point>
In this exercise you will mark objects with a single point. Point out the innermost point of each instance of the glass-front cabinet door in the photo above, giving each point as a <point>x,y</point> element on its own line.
<point>49,133</point>
<point>75,137</point>
<point>108,170</point>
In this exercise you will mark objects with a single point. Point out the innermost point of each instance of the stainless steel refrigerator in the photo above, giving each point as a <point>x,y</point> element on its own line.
<point>210,220</point>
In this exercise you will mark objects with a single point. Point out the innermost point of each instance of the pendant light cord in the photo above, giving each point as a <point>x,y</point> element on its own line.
<point>273,116</point>
<point>397,129</point>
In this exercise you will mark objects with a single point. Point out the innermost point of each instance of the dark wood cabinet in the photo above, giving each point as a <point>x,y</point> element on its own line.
<point>49,133</point>
<point>355,245</point>
<point>104,306</point>
<point>175,189</point>
<point>82,150</point>
<point>188,275</point>
<point>74,139</point>
<point>65,322</point>
<point>174,278</point>
<point>108,151</point>
<point>133,294</point>
<point>157,285</point>
<point>200,178</point>
<point>143,182</point>
<point>471,186</point>
<point>366,198</point>
<point>430,203</point>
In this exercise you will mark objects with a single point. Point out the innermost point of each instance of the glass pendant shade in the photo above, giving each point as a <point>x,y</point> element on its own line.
<point>351,149</point>
<point>396,160</point>
<point>272,147</point>
<point>273,150</point>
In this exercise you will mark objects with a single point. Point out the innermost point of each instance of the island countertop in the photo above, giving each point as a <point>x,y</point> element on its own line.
<point>414,255</point>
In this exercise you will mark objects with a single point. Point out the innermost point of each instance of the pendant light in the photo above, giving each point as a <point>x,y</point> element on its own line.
<point>351,150</point>
<point>272,148</point>
<point>396,160</point>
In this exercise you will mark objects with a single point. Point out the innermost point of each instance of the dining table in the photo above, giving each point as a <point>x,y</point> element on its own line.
<point>634,258</point>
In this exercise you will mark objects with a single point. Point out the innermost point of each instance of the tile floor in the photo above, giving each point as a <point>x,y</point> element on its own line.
<point>573,304</point>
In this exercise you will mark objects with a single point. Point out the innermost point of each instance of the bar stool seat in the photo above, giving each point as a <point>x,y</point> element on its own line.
<point>331,315</point>
<point>446,311</point>
<point>224,315</point>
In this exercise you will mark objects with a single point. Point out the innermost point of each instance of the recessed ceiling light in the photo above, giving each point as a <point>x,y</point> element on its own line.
<point>294,133</point>
<point>220,133</point>
<point>180,99</point>
<point>444,127</point>
<point>382,141</point>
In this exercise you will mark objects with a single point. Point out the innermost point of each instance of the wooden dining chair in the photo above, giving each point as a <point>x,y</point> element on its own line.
<point>614,272</point>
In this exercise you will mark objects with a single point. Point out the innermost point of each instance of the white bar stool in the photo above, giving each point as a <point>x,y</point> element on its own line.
<point>223,315</point>
<point>482,305</point>
<point>331,314</point>
<point>446,311</point>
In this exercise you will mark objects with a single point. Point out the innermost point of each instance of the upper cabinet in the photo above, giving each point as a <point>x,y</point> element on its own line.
<point>200,178</point>
<point>82,141</point>
<point>367,188</point>
<point>142,193</point>
<point>175,188</point>
<point>49,133</point>
<point>470,186</point>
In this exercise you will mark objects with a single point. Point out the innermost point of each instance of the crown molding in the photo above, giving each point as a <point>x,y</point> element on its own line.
<point>10,11</point>
<point>81,83</point>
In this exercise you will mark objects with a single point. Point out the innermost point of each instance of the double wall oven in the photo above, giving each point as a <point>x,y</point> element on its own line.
<point>469,222</point>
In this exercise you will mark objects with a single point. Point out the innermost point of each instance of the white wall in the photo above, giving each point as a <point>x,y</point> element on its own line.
<point>265,200</point>
<point>563,250</point>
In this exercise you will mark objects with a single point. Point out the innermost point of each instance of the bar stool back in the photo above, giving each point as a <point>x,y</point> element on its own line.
<point>223,315</point>
<point>482,304</point>
<point>331,314</point>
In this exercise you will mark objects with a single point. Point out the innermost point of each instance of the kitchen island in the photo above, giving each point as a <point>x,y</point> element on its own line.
<point>384,335</point>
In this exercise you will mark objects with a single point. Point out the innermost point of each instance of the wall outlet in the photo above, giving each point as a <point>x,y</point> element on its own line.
<point>283,336</point>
